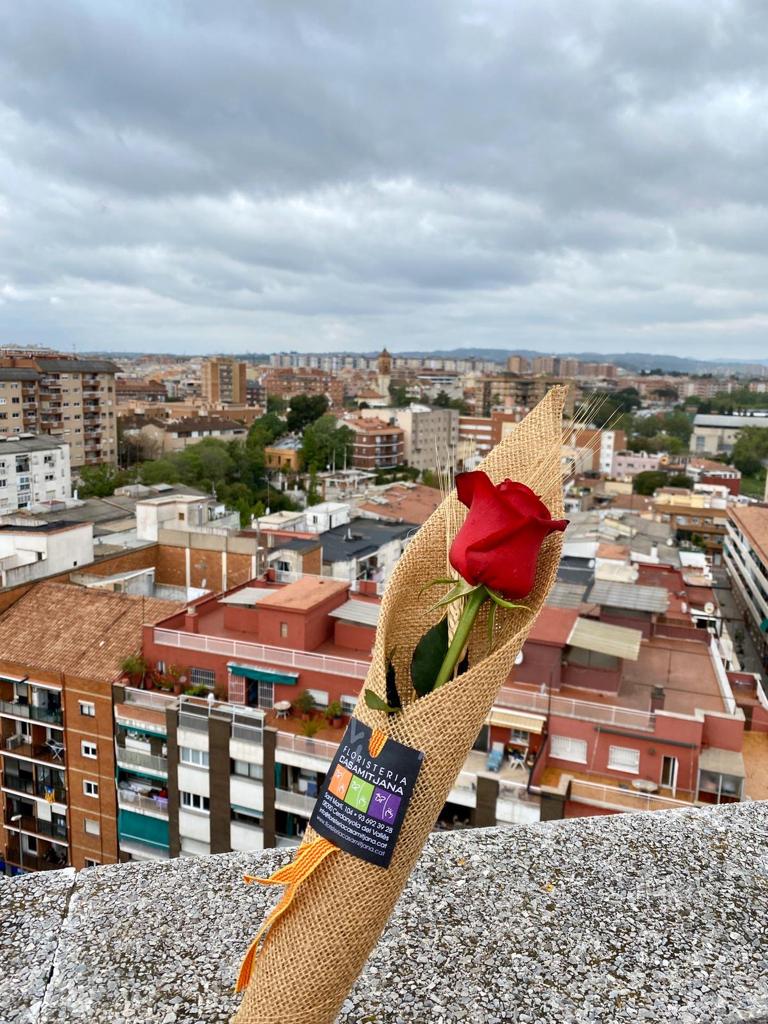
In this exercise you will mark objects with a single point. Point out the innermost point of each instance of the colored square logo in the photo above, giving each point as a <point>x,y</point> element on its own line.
<point>384,806</point>
<point>359,794</point>
<point>340,781</point>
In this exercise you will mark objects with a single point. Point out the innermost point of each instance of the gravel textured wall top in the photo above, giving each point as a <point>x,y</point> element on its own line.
<point>642,917</point>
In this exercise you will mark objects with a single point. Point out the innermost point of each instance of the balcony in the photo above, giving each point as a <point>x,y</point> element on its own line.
<point>55,793</point>
<point>52,859</point>
<point>19,709</point>
<point>37,826</point>
<point>296,803</point>
<point>586,711</point>
<point>154,806</point>
<point>322,750</point>
<point>49,753</point>
<point>148,763</point>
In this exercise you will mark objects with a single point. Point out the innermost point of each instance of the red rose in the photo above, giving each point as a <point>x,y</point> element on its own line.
<point>498,545</point>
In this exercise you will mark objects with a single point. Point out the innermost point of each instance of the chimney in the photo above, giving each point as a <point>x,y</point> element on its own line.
<point>657,698</point>
<point>190,619</point>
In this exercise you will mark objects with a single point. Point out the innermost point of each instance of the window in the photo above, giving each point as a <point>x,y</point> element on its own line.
<point>246,770</point>
<point>283,629</point>
<point>90,788</point>
<point>87,709</point>
<point>198,758</point>
<point>266,693</point>
<point>348,703</point>
<point>90,863</point>
<point>567,749</point>
<point>203,677</point>
<point>93,828</point>
<point>89,749</point>
<point>624,759</point>
<point>194,802</point>
<point>320,697</point>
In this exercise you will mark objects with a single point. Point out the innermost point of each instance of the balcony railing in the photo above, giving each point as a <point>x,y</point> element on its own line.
<point>138,759</point>
<point>297,803</point>
<point>38,826</point>
<point>50,860</point>
<point>600,795</point>
<point>50,753</point>
<point>34,714</point>
<point>20,784</point>
<point>586,711</point>
<point>278,657</point>
<point>304,745</point>
<point>154,805</point>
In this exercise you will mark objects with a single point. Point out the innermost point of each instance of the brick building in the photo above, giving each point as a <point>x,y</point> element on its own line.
<point>376,444</point>
<point>224,382</point>
<point>62,647</point>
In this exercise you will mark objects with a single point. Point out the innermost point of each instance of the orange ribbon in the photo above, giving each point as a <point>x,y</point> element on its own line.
<point>308,859</point>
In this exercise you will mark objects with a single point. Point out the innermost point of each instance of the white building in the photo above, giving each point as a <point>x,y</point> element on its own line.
<point>33,548</point>
<point>33,469</point>
<point>716,435</point>
<point>188,513</point>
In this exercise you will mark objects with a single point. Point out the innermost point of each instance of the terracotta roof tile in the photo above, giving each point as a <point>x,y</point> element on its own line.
<point>58,627</point>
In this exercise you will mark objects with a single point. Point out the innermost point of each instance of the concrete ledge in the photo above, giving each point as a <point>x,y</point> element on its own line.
<point>643,917</point>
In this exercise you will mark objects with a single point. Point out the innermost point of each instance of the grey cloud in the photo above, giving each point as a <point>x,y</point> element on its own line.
<point>263,175</point>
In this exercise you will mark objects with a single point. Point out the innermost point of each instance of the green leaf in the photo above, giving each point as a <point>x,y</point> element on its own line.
<point>428,657</point>
<point>393,697</point>
<point>503,603</point>
<point>442,581</point>
<point>375,703</point>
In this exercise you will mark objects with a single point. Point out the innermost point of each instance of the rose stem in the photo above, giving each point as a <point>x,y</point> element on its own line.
<point>460,637</point>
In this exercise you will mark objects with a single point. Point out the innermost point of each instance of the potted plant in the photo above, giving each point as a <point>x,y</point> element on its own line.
<point>134,667</point>
<point>305,705</point>
<point>310,727</point>
<point>334,714</point>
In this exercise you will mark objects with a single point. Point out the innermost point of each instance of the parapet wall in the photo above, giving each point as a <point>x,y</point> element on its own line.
<point>638,917</point>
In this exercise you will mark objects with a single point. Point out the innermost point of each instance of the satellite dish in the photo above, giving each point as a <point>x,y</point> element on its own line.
<point>519,658</point>
<point>709,608</point>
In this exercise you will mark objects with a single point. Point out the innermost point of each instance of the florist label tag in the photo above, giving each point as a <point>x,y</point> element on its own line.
<point>363,801</point>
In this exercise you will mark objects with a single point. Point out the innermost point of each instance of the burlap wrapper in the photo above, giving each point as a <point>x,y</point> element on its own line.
<point>316,951</point>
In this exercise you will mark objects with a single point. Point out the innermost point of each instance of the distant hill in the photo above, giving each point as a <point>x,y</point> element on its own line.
<point>626,360</point>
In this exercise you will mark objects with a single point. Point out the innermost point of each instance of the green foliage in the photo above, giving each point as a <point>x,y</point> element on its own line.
<point>276,404</point>
<point>100,481</point>
<point>305,702</point>
<point>323,444</point>
<point>311,727</point>
<point>428,656</point>
<point>442,401</point>
<point>305,409</point>
<point>750,453</point>
<point>648,482</point>
<point>398,394</point>
<point>133,665</point>
<point>334,710</point>
<point>429,478</point>
<point>680,480</point>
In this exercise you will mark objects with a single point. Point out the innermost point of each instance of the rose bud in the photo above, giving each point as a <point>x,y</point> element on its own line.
<point>498,545</point>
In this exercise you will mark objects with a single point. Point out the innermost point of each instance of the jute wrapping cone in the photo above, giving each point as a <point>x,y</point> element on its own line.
<point>316,951</point>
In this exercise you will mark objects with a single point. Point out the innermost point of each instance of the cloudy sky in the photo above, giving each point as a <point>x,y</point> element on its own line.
<point>254,175</point>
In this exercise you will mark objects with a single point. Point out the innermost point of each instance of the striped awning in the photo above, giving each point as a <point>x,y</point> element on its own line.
<point>506,718</point>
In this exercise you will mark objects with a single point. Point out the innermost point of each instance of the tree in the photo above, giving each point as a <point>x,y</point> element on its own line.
<point>429,478</point>
<point>398,394</point>
<point>324,444</point>
<point>680,480</point>
<point>648,482</point>
<point>750,453</point>
<point>305,409</point>
<point>264,431</point>
<point>276,404</point>
<point>100,481</point>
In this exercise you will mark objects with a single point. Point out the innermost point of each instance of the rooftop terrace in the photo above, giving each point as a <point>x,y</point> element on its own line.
<point>652,917</point>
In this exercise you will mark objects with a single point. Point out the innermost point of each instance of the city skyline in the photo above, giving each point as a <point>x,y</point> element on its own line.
<point>193,180</point>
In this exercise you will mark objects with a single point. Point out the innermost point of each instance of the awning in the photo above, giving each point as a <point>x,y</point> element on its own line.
<point>508,719</point>
<point>603,638</point>
<point>265,675</point>
<point>722,762</point>
<point>363,613</point>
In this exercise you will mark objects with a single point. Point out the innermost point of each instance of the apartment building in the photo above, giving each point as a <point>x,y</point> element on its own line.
<point>376,444</point>
<point>61,649</point>
<point>699,516</point>
<point>224,381</point>
<point>19,400</point>
<point>69,398</point>
<point>32,548</point>
<point>33,469</point>
<point>745,554</point>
